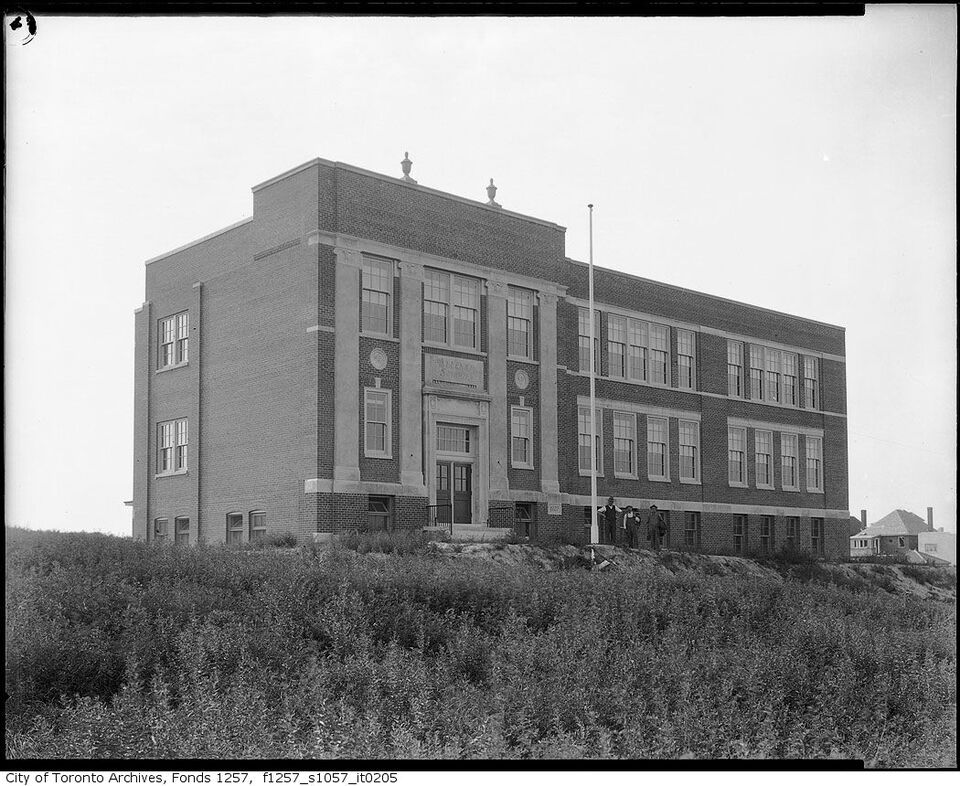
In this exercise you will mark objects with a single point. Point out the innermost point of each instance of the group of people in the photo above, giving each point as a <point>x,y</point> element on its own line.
<point>630,527</point>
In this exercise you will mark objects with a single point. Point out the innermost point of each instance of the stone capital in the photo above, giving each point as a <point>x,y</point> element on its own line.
<point>496,287</point>
<point>548,299</point>
<point>348,257</point>
<point>410,269</point>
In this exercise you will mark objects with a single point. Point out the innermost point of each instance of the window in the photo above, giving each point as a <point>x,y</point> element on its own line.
<point>451,307</point>
<point>737,455</point>
<point>740,534</point>
<point>900,542</point>
<point>624,444</point>
<point>930,548</point>
<point>793,526</point>
<point>181,530</point>
<point>617,346</point>
<point>686,358</point>
<point>637,340</point>
<point>756,372</point>
<point>453,439</point>
<point>521,437</point>
<point>814,463</point>
<point>172,446</point>
<point>523,519</point>
<point>258,526</point>
<point>772,380</point>
<point>811,383</point>
<point>788,462</point>
<point>377,423</point>
<point>583,439</point>
<point>174,336</point>
<point>816,536</point>
<point>734,368</point>
<point>160,529</point>
<point>658,454</point>
<point>766,535</point>
<point>519,322</point>
<point>380,513</point>
<point>689,450</point>
<point>764,447</point>
<point>376,296</point>
<point>691,530</point>
<point>659,354</point>
<point>789,379</point>
<point>234,528</point>
<point>583,331</point>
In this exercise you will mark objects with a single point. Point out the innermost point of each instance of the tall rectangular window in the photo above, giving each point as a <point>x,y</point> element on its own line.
<point>181,530</point>
<point>377,422</point>
<point>740,534</point>
<point>583,331</point>
<point>451,309</point>
<point>766,535</point>
<point>793,527</point>
<point>234,528</point>
<point>772,380</point>
<point>436,305</point>
<point>258,526</point>
<point>764,448</point>
<point>172,443</point>
<point>734,368</point>
<point>637,341</point>
<point>689,450</point>
<point>583,439</point>
<point>788,462</point>
<point>173,337</point>
<point>658,451</point>
<point>814,447</point>
<point>659,354</point>
<point>737,456</point>
<point>756,372</point>
<point>521,437</point>
<point>624,444</point>
<point>686,358</point>
<point>691,530</point>
<point>160,529</point>
<point>789,379</point>
<point>811,382</point>
<point>376,296</point>
<point>816,537</point>
<point>519,322</point>
<point>616,345</point>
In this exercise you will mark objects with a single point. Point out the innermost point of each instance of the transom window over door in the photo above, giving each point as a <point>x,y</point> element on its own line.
<point>451,309</point>
<point>376,313</point>
<point>453,439</point>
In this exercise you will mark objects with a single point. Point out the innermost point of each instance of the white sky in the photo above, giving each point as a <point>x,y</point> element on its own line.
<point>806,165</point>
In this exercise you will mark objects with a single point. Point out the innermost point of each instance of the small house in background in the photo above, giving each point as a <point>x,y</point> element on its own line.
<point>938,547</point>
<point>895,534</point>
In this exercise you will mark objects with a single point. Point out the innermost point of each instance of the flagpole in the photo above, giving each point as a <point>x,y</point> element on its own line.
<point>594,528</point>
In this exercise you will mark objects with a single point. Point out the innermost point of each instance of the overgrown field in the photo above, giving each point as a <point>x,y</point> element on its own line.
<point>119,649</point>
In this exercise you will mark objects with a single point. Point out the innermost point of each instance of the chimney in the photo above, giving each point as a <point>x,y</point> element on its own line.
<point>863,517</point>
<point>930,520</point>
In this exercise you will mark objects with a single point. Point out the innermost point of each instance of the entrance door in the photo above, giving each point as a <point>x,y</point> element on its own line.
<point>444,499</point>
<point>462,493</point>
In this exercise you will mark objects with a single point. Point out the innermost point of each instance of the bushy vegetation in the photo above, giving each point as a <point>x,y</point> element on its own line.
<point>125,650</point>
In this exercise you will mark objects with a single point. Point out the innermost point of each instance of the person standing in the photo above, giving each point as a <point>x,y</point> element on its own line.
<point>631,519</point>
<point>656,527</point>
<point>608,518</point>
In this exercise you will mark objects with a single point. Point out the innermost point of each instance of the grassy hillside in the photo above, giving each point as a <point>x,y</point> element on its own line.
<point>119,649</point>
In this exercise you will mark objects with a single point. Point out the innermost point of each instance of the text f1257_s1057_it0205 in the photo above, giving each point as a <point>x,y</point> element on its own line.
<point>344,778</point>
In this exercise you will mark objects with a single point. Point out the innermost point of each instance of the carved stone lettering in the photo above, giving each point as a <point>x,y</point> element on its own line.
<point>453,372</point>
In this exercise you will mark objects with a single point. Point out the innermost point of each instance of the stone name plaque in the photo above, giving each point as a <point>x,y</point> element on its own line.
<point>459,373</point>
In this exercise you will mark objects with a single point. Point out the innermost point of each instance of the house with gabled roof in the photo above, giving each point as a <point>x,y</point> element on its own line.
<point>895,534</point>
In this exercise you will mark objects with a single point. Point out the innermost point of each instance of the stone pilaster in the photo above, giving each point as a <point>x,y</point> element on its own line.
<point>411,361</point>
<point>549,468</point>
<point>497,375</point>
<point>346,384</point>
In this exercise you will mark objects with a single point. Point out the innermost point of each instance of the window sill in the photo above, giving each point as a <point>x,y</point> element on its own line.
<point>522,466</point>
<point>735,485</point>
<point>385,456</point>
<point>452,348</point>
<point>521,359</point>
<point>691,482</point>
<point>765,487</point>
<point>814,491</point>
<point>178,473</point>
<point>586,474</point>
<point>790,488</point>
<point>659,480</point>
<point>625,476</point>
<point>379,337</point>
<point>637,382</point>
<point>171,368</point>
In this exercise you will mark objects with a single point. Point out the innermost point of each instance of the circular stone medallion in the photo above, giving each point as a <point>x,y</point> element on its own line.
<point>378,359</point>
<point>521,380</point>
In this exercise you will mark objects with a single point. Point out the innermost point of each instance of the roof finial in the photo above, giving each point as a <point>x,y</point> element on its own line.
<point>406,164</point>
<point>491,193</point>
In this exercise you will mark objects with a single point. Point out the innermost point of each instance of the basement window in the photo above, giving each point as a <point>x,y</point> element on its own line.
<point>234,528</point>
<point>380,513</point>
